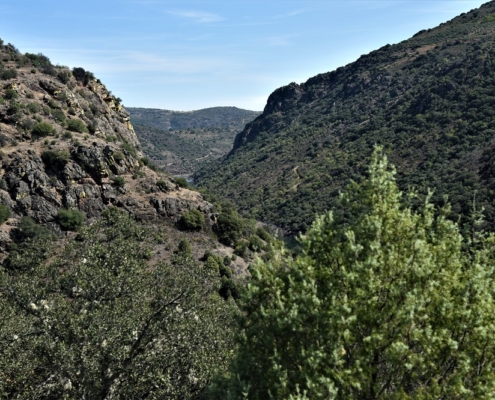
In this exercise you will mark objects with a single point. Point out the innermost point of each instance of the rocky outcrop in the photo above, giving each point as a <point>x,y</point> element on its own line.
<point>69,143</point>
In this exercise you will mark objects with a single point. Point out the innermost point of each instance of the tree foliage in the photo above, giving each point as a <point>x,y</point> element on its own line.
<point>4,213</point>
<point>99,323</point>
<point>388,303</point>
<point>192,220</point>
<point>70,220</point>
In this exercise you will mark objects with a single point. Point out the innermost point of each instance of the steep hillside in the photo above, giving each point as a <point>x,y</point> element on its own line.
<point>428,100</point>
<point>69,152</point>
<point>180,142</point>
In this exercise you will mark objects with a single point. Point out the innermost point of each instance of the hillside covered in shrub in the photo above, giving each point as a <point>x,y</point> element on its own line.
<point>180,142</point>
<point>428,100</point>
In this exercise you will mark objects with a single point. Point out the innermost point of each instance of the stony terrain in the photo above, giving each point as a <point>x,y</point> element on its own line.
<point>68,143</point>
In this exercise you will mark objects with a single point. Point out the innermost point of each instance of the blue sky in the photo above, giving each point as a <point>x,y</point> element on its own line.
<point>187,55</point>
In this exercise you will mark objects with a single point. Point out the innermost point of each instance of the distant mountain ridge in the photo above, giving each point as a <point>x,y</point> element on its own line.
<point>180,141</point>
<point>429,100</point>
<point>213,117</point>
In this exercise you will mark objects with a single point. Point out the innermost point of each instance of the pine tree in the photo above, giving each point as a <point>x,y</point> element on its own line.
<point>386,302</point>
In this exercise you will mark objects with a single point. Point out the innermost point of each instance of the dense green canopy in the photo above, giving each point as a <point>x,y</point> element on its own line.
<point>102,322</point>
<point>389,304</point>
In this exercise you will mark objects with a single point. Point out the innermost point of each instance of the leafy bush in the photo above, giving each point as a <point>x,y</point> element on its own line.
<point>70,220</point>
<point>255,244</point>
<point>182,182</point>
<point>8,74</point>
<point>130,149</point>
<point>184,248</point>
<point>64,76</point>
<point>229,227</point>
<point>28,124</point>
<point>162,185</point>
<point>59,116</point>
<point>98,301</point>
<point>76,125</point>
<point>263,234</point>
<point>30,247</point>
<point>192,220</point>
<point>119,181</point>
<point>33,108</point>
<point>11,94</point>
<point>4,213</point>
<point>229,288</point>
<point>241,248</point>
<point>150,164</point>
<point>43,129</point>
<point>118,156</point>
<point>55,158</point>
<point>82,75</point>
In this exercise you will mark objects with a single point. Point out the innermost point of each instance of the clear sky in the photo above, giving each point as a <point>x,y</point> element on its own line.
<point>187,55</point>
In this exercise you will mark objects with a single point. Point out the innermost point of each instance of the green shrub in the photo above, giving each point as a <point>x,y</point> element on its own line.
<point>14,108</point>
<point>33,108</point>
<point>182,182</point>
<point>2,100</point>
<point>27,124</point>
<point>229,228</point>
<point>119,181</point>
<point>8,74</point>
<point>229,288</point>
<point>70,220</point>
<point>53,104</point>
<point>59,116</point>
<point>43,129</point>
<point>150,164</point>
<point>118,156</point>
<point>162,185</point>
<point>11,94</point>
<point>4,213</point>
<point>76,125</point>
<point>212,265</point>
<point>64,76</point>
<point>55,158</point>
<point>185,248</point>
<point>30,247</point>
<point>67,135</point>
<point>241,248</point>
<point>192,220</point>
<point>224,269</point>
<point>392,304</point>
<point>255,244</point>
<point>130,149</point>
<point>263,234</point>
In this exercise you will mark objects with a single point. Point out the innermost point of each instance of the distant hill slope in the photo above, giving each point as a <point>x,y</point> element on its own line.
<point>429,100</point>
<point>181,141</point>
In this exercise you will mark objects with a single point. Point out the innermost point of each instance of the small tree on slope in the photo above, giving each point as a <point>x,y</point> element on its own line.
<point>393,304</point>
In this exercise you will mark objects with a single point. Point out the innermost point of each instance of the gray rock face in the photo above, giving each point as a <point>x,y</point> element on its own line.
<point>42,172</point>
<point>91,159</point>
<point>73,172</point>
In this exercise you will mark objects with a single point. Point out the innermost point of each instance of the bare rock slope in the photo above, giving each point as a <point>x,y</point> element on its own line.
<point>67,142</point>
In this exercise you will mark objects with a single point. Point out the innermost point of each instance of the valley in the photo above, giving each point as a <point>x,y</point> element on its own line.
<point>180,142</point>
<point>338,244</point>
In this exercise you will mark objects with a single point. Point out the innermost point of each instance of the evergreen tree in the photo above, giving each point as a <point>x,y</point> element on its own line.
<point>385,303</point>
